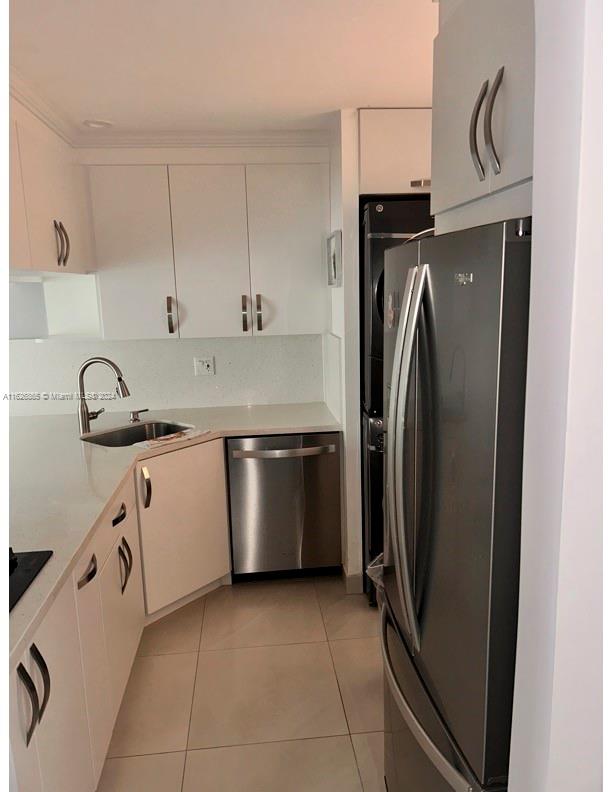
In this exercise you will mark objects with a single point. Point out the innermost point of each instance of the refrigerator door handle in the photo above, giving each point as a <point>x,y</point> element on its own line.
<point>390,523</point>
<point>398,452</point>
<point>450,774</point>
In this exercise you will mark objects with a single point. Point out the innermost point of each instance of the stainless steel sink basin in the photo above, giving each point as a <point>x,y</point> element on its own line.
<point>134,433</point>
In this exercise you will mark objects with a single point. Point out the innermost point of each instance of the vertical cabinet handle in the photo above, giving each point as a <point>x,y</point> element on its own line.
<point>121,514</point>
<point>170,315</point>
<point>259,312</point>
<point>473,131</point>
<point>124,568</point>
<point>245,316</point>
<point>146,478</point>
<point>89,574</point>
<point>46,677</point>
<point>488,122</point>
<point>30,687</point>
<point>59,238</point>
<point>130,557</point>
<point>67,238</point>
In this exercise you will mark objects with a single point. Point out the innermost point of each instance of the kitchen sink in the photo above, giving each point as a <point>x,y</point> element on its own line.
<point>135,433</point>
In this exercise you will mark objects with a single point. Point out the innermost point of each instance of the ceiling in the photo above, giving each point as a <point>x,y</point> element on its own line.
<point>187,67</point>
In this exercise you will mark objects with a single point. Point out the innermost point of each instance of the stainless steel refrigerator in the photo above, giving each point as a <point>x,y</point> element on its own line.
<point>455,350</point>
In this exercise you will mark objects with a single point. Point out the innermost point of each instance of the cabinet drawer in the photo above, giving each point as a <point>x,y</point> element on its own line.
<point>107,529</point>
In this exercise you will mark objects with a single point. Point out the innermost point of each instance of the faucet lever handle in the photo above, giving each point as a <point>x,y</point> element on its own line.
<point>135,414</point>
<point>93,414</point>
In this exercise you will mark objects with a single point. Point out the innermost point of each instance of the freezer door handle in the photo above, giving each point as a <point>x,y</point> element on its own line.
<point>285,453</point>
<point>450,774</point>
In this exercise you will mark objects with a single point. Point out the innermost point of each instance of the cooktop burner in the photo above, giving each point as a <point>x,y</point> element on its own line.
<point>23,568</point>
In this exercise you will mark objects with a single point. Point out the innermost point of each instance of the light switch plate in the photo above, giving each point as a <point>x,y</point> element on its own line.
<point>203,367</point>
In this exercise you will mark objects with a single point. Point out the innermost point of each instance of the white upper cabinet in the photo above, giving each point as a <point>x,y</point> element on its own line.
<point>394,150</point>
<point>211,250</point>
<point>56,202</point>
<point>19,253</point>
<point>133,235</point>
<point>482,104</point>
<point>288,216</point>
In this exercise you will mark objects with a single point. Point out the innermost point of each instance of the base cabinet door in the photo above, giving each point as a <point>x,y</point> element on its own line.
<point>122,606</point>
<point>60,735</point>
<point>182,506</point>
<point>288,213</point>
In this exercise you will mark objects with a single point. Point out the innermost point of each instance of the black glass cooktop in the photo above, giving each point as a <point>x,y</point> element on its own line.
<point>23,568</point>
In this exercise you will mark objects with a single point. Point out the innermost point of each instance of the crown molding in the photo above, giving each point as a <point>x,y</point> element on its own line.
<point>56,121</point>
<point>217,139</point>
<point>23,92</point>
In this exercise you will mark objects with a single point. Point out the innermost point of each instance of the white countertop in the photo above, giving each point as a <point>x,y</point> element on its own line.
<point>59,484</point>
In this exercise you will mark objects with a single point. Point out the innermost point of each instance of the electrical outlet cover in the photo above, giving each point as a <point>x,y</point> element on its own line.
<point>204,366</point>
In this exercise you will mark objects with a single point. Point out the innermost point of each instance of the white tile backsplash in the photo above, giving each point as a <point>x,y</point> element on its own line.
<point>160,373</point>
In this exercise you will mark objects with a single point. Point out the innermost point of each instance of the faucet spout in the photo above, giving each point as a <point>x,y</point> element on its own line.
<point>85,415</point>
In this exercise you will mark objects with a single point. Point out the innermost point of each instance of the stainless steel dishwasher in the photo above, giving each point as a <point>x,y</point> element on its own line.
<point>285,501</point>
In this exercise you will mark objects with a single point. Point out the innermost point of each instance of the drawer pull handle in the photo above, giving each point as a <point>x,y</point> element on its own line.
<point>89,574</point>
<point>124,568</point>
<point>30,687</point>
<point>473,130</point>
<point>59,238</point>
<point>259,312</point>
<point>245,315</point>
<point>44,672</point>
<point>148,488</point>
<point>488,122</point>
<point>120,516</point>
<point>130,557</point>
<point>169,315</point>
<point>65,233</point>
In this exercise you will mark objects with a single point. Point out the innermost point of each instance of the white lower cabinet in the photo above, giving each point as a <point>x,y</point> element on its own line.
<point>48,699</point>
<point>110,608</point>
<point>182,506</point>
<point>122,606</point>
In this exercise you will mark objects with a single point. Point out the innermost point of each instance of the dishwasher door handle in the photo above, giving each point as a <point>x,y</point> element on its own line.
<point>285,453</point>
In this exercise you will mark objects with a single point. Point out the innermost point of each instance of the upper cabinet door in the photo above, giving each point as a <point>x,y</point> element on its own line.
<point>288,210</point>
<point>482,104</point>
<point>19,255</point>
<point>394,150</point>
<point>133,233</point>
<point>211,250</point>
<point>57,204</point>
<point>461,68</point>
<point>511,47</point>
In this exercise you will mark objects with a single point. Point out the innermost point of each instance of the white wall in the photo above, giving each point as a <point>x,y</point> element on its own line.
<point>556,737</point>
<point>159,374</point>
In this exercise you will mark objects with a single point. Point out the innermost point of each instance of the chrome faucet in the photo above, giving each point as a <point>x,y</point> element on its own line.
<point>85,415</point>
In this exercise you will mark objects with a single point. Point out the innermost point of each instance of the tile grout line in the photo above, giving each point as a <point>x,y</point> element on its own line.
<point>340,691</point>
<point>195,679</point>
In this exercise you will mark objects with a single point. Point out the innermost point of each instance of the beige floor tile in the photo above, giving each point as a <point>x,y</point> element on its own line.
<point>262,614</point>
<point>260,694</point>
<point>154,715</point>
<point>321,765</point>
<point>178,632</point>
<point>153,773</point>
<point>370,753</point>
<point>345,615</point>
<point>358,666</point>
